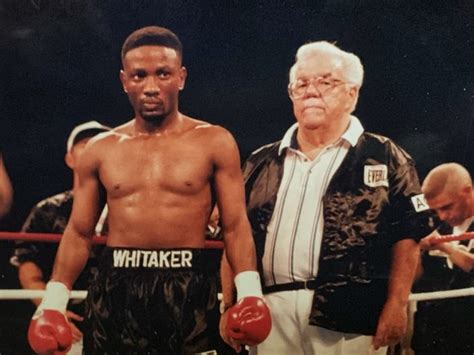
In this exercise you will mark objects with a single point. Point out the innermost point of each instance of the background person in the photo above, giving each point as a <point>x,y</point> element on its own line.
<point>445,326</point>
<point>6,189</point>
<point>448,191</point>
<point>34,259</point>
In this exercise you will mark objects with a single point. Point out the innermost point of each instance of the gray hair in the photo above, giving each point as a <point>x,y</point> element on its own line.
<point>351,64</point>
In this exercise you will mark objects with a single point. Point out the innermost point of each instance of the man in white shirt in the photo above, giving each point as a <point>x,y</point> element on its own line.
<point>334,217</point>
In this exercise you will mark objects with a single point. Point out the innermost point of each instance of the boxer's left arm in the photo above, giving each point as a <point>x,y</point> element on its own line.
<point>228,292</point>
<point>227,281</point>
<point>238,240</point>
<point>393,320</point>
<point>228,184</point>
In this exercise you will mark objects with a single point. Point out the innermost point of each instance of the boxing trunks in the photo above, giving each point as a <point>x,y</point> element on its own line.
<point>154,302</point>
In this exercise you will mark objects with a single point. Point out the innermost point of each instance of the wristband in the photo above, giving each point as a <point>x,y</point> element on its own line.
<point>56,297</point>
<point>248,284</point>
<point>224,307</point>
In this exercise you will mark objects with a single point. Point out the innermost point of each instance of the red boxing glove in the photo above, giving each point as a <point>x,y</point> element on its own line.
<point>249,321</point>
<point>49,329</point>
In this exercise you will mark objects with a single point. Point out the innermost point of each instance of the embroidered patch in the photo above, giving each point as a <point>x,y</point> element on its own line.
<point>376,175</point>
<point>419,203</point>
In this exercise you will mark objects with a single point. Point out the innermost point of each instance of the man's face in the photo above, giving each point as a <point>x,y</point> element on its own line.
<point>452,208</point>
<point>314,109</point>
<point>152,77</point>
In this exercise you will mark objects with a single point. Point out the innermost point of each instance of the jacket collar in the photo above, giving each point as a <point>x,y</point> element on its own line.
<point>351,135</point>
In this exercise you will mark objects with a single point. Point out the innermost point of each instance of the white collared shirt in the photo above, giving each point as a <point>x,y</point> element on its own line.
<point>462,228</point>
<point>295,230</point>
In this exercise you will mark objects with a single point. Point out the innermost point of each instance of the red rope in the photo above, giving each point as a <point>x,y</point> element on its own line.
<point>209,244</point>
<point>55,238</point>
<point>451,237</point>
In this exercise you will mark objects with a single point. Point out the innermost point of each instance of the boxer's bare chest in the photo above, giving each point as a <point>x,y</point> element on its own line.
<point>180,165</point>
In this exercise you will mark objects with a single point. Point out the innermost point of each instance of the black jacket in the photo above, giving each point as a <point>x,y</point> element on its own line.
<point>361,224</point>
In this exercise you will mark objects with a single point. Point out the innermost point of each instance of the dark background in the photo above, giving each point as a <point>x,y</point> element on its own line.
<point>59,64</point>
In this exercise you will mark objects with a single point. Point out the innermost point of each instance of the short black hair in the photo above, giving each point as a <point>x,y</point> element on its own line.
<point>152,35</point>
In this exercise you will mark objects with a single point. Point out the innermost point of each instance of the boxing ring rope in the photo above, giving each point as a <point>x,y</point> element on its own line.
<point>24,294</point>
<point>414,298</point>
<point>55,238</point>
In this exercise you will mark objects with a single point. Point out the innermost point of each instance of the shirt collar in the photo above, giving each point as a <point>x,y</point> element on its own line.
<point>464,226</point>
<point>351,135</point>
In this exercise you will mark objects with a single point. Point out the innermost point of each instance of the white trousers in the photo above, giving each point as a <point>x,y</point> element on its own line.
<point>76,348</point>
<point>292,334</point>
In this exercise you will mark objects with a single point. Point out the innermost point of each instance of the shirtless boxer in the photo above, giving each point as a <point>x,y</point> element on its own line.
<point>160,174</point>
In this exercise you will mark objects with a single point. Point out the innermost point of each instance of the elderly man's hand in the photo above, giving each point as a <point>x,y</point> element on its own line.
<point>392,325</point>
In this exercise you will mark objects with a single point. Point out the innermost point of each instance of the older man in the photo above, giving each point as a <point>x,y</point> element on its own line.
<point>445,326</point>
<point>334,216</point>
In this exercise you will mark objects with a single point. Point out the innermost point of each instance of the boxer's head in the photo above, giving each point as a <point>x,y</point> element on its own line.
<point>152,73</point>
<point>448,191</point>
<point>153,36</point>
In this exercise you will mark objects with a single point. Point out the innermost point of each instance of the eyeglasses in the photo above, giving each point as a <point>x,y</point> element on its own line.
<point>324,85</point>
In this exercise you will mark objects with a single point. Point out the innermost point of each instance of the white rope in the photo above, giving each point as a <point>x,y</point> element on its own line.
<point>24,294</point>
<point>29,294</point>
<point>425,296</point>
<point>413,305</point>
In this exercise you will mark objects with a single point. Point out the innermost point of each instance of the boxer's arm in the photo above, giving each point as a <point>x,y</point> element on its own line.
<point>228,184</point>
<point>227,283</point>
<point>249,320</point>
<point>76,243</point>
<point>392,322</point>
<point>6,190</point>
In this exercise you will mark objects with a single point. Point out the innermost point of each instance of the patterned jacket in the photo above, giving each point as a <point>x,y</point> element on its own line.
<point>370,204</point>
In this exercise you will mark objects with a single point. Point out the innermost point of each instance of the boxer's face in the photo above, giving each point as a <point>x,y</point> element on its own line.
<point>452,208</point>
<point>315,109</point>
<point>152,77</point>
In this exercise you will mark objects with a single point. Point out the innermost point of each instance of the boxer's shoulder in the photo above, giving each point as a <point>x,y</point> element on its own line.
<point>207,129</point>
<point>214,138</point>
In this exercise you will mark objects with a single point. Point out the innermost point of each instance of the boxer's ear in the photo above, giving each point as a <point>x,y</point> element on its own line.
<point>183,73</point>
<point>122,79</point>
